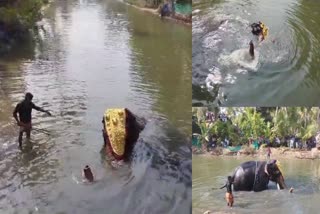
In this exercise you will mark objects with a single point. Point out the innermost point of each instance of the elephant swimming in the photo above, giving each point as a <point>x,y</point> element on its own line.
<point>255,176</point>
<point>121,129</point>
<point>130,138</point>
<point>157,159</point>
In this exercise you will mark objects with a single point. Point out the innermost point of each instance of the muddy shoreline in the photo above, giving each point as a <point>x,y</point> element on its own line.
<point>276,153</point>
<point>176,18</point>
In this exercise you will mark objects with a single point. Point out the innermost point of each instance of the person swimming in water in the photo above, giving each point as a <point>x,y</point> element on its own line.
<point>229,195</point>
<point>259,29</point>
<point>87,174</point>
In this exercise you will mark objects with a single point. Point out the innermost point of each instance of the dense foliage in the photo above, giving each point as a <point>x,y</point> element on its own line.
<point>251,123</point>
<point>18,16</point>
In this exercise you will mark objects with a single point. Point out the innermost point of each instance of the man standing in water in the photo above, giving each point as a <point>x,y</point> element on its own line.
<point>229,195</point>
<point>24,108</point>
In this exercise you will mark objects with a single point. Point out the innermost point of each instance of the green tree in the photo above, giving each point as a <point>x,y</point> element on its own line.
<point>225,130</point>
<point>17,17</point>
<point>246,123</point>
<point>300,121</point>
<point>251,123</point>
<point>205,133</point>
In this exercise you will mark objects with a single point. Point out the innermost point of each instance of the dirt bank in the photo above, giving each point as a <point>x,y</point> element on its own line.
<point>176,18</point>
<point>276,153</point>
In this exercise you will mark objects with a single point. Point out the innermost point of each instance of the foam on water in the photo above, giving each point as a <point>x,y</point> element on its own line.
<point>214,77</point>
<point>231,79</point>
<point>241,58</point>
<point>196,11</point>
<point>211,41</point>
<point>75,179</point>
<point>241,71</point>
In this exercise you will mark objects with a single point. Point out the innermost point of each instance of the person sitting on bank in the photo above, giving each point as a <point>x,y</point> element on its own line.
<point>165,11</point>
<point>24,109</point>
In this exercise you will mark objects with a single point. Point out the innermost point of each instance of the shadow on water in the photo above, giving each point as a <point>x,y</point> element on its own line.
<point>288,59</point>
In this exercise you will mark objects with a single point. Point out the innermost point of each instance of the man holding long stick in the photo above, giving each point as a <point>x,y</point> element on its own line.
<point>24,108</point>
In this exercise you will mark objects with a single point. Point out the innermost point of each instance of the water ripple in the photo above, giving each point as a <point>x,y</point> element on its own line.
<point>288,58</point>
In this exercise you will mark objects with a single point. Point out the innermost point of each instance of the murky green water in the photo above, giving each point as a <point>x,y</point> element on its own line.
<point>94,55</point>
<point>211,172</point>
<point>285,71</point>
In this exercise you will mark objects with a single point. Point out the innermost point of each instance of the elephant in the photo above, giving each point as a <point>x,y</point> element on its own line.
<point>121,129</point>
<point>156,156</point>
<point>255,176</point>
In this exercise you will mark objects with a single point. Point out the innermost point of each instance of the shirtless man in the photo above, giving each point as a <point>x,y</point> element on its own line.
<point>24,108</point>
<point>229,195</point>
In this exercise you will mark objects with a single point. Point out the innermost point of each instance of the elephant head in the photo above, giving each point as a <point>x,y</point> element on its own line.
<point>275,174</point>
<point>121,129</point>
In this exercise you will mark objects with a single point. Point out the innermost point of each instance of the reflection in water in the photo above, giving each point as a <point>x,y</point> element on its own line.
<point>92,55</point>
<point>166,65</point>
<point>288,61</point>
<point>212,172</point>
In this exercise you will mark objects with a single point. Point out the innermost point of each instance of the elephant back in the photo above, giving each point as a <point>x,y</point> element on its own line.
<point>250,176</point>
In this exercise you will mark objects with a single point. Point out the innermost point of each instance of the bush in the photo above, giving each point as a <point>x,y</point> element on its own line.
<point>17,17</point>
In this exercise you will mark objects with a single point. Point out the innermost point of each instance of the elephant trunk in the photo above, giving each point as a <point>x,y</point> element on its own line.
<point>251,49</point>
<point>281,184</point>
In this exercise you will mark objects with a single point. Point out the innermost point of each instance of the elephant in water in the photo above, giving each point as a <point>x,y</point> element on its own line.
<point>156,158</point>
<point>255,176</point>
<point>121,130</point>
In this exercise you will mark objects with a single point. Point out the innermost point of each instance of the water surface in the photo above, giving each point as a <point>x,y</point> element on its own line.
<point>92,55</point>
<point>285,70</point>
<point>212,172</point>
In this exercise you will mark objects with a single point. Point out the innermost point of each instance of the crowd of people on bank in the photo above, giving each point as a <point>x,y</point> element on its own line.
<point>291,141</point>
